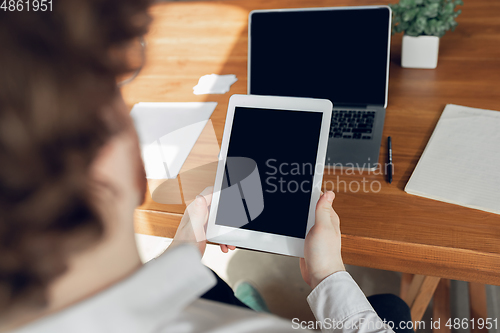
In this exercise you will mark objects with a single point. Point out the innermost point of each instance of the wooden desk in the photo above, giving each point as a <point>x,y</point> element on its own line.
<point>391,229</point>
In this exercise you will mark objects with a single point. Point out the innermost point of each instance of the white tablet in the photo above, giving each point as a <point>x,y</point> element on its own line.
<point>269,173</point>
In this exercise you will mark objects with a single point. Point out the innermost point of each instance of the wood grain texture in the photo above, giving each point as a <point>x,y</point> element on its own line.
<point>414,289</point>
<point>406,279</point>
<point>441,307</point>
<point>423,297</point>
<point>387,228</point>
<point>478,306</point>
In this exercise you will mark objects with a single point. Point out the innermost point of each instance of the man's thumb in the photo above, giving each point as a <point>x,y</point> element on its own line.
<point>324,207</point>
<point>198,210</point>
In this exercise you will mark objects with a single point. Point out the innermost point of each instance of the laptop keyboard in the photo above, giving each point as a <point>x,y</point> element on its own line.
<point>356,125</point>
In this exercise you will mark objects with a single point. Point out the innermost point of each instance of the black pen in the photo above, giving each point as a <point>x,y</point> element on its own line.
<point>389,166</point>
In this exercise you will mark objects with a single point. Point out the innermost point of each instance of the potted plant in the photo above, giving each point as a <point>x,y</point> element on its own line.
<point>423,23</point>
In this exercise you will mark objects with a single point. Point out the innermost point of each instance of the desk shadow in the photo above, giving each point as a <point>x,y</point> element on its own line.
<point>184,188</point>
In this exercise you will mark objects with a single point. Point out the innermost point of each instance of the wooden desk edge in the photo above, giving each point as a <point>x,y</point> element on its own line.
<point>375,253</point>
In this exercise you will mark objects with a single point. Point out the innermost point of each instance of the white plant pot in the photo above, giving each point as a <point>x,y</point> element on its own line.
<point>419,52</point>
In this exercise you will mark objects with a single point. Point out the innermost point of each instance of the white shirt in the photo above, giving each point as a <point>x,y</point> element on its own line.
<point>163,296</point>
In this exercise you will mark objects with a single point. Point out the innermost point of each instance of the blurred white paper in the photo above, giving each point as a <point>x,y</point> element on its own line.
<point>214,84</point>
<point>167,133</point>
<point>460,163</point>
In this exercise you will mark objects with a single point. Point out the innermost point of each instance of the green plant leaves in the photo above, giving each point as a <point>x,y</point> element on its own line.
<point>420,24</point>
<point>447,9</point>
<point>430,10</point>
<point>425,17</point>
<point>409,15</point>
<point>407,4</point>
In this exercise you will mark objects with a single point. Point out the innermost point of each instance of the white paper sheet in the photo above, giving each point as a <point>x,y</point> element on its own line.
<point>167,133</point>
<point>460,163</point>
<point>214,84</point>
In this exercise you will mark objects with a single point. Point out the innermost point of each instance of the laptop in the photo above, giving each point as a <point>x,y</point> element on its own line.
<point>337,53</point>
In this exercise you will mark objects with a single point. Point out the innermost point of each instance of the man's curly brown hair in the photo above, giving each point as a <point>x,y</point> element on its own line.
<point>58,74</point>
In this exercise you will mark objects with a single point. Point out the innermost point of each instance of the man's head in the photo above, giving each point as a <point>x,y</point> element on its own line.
<point>59,107</point>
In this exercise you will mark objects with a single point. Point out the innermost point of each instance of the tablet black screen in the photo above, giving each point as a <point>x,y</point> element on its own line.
<point>283,144</point>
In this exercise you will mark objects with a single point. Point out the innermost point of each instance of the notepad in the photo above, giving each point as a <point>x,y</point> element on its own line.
<point>461,162</point>
<point>167,133</point>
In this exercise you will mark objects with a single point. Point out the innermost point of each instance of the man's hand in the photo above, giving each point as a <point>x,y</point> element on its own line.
<point>192,228</point>
<point>322,244</point>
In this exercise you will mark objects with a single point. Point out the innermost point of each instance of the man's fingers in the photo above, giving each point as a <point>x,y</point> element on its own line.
<point>302,263</point>
<point>225,248</point>
<point>303,271</point>
<point>205,198</point>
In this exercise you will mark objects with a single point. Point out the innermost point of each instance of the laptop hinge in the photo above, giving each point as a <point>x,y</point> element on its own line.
<point>358,106</point>
<point>375,106</point>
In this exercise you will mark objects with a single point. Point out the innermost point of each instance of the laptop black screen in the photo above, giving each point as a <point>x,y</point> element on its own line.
<point>340,55</point>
